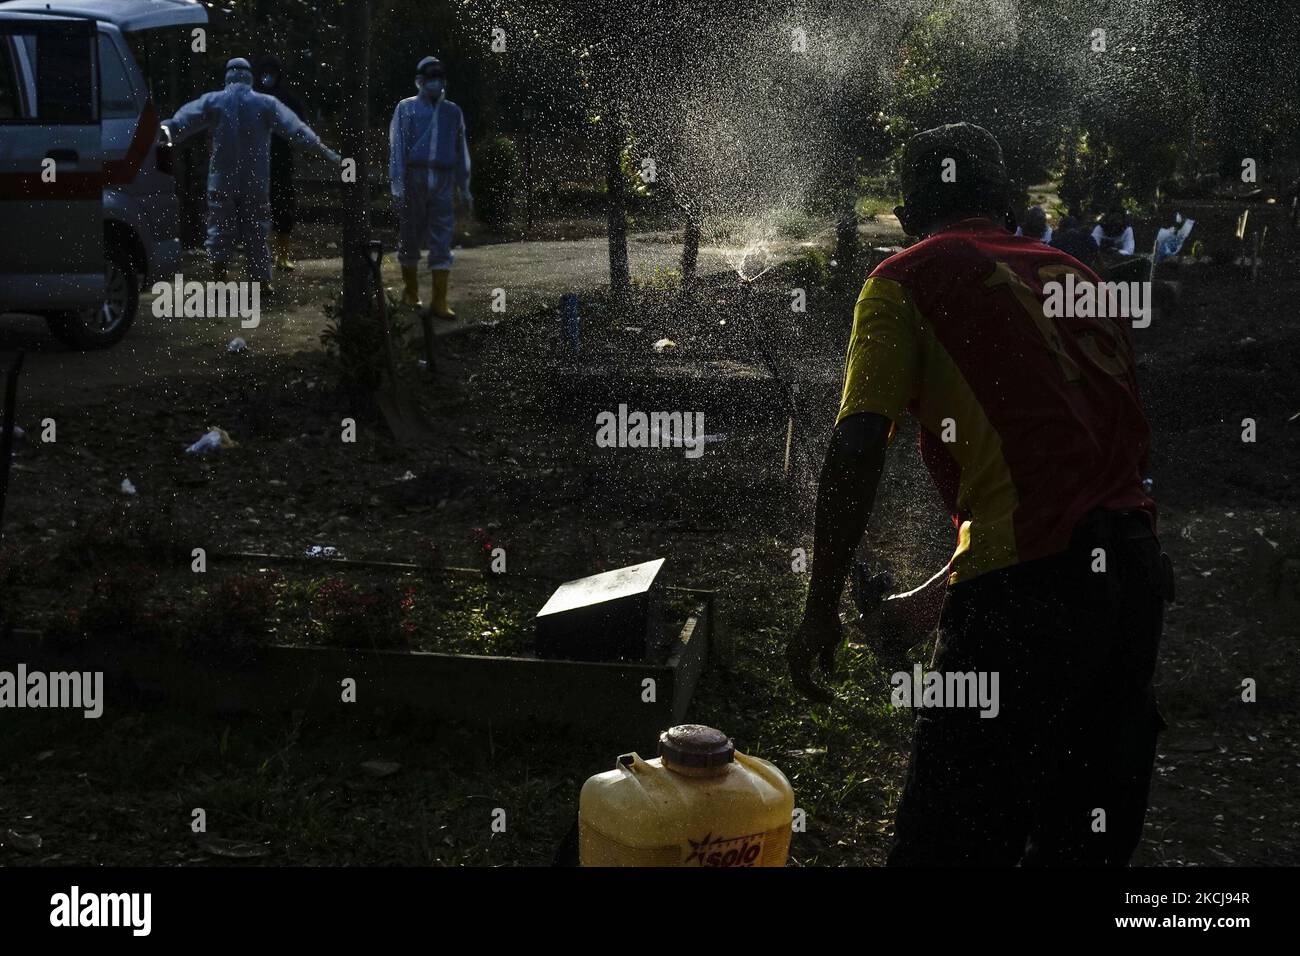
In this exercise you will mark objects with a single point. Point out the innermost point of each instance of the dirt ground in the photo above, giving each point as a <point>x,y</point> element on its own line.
<point>530,274</point>
<point>512,452</point>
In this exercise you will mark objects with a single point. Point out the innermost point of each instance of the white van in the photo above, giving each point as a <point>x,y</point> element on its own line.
<point>88,207</point>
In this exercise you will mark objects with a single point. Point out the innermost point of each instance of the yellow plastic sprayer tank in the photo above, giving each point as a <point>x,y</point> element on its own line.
<point>699,803</point>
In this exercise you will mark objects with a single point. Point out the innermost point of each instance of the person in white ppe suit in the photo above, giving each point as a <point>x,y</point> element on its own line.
<point>428,168</point>
<point>239,172</point>
<point>1114,234</point>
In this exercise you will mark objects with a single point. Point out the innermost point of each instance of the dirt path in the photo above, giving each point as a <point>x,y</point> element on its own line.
<point>528,272</point>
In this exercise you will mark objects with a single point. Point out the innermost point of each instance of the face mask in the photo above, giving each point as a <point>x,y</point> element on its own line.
<point>432,88</point>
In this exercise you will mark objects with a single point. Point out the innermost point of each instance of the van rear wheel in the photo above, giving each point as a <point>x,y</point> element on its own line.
<point>104,324</point>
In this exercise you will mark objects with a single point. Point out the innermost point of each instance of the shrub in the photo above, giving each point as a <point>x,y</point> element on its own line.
<point>117,601</point>
<point>658,279</point>
<point>357,346</point>
<point>810,270</point>
<point>1105,168</point>
<point>792,224</point>
<point>355,617</point>
<point>234,616</point>
<point>495,172</point>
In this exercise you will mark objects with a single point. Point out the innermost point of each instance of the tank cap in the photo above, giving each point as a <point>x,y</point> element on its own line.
<point>694,745</point>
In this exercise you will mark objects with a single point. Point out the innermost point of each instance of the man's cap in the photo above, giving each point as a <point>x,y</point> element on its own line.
<point>238,71</point>
<point>430,65</point>
<point>973,149</point>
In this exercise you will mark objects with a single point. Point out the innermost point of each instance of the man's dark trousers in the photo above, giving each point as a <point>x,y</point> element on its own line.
<point>1060,776</point>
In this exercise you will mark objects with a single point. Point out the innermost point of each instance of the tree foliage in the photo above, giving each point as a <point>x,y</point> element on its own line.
<point>713,90</point>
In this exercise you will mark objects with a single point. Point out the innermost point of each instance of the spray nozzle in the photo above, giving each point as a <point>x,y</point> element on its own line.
<point>870,589</point>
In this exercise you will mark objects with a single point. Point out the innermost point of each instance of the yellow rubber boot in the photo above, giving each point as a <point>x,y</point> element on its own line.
<point>440,307</point>
<point>282,260</point>
<point>411,287</point>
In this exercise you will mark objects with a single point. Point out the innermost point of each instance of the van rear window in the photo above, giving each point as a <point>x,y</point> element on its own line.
<point>47,76</point>
<point>12,99</point>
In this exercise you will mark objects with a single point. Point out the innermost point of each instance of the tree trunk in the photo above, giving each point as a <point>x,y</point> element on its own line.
<point>848,246</point>
<point>528,173</point>
<point>620,282</point>
<point>356,196</point>
<point>690,249</point>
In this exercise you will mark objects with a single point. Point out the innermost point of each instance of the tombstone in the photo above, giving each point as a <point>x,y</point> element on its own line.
<point>612,616</point>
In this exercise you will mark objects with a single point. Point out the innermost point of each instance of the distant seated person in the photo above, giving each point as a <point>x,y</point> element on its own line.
<point>1073,239</point>
<point>1116,262</point>
<point>1036,226</point>
<point>1169,240</point>
<point>1114,235</point>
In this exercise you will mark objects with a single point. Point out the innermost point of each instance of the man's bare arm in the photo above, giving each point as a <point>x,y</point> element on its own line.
<point>845,496</point>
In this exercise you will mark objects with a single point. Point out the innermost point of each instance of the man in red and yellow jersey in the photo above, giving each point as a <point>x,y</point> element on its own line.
<point>1033,432</point>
